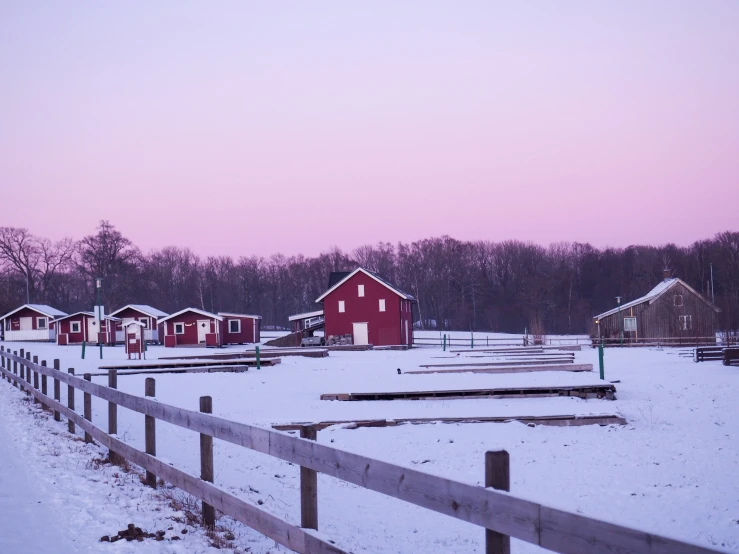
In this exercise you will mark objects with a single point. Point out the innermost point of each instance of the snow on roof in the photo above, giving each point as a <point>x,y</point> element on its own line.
<point>306,315</point>
<point>144,309</point>
<point>200,312</point>
<point>653,294</point>
<point>134,322</point>
<point>227,314</point>
<point>40,308</point>
<point>88,314</point>
<point>377,278</point>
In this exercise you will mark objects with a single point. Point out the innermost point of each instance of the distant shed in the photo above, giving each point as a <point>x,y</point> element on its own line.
<point>672,309</point>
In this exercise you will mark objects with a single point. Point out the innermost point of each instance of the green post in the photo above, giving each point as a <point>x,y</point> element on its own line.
<point>259,361</point>
<point>444,342</point>
<point>472,340</point>
<point>83,350</point>
<point>101,350</point>
<point>600,360</point>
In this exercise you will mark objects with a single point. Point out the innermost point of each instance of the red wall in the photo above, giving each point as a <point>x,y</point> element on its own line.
<point>15,319</point>
<point>384,328</point>
<point>247,331</point>
<point>190,320</point>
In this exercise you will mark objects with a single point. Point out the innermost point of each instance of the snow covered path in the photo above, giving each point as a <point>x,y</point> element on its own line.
<point>27,521</point>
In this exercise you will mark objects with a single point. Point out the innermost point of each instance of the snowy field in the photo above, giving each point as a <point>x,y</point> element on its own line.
<point>672,470</point>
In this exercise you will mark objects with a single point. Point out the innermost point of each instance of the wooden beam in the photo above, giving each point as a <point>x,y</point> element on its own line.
<point>506,369</point>
<point>308,486</point>
<point>497,476</point>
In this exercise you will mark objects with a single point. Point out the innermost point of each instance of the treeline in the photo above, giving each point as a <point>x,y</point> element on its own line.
<point>482,286</point>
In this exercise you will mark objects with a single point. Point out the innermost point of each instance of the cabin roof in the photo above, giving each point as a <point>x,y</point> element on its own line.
<point>200,312</point>
<point>43,309</point>
<point>374,276</point>
<point>144,309</point>
<point>654,294</point>
<point>306,315</point>
<point>229,314</point>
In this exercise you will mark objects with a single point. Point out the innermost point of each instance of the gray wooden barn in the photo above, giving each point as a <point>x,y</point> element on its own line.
<point>671,309</point>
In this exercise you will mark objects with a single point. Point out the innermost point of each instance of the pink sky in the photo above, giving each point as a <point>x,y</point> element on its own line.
<point>253,128</point>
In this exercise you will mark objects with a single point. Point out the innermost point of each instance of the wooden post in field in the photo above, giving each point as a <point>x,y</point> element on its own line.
<point>113,415</point>
<point>308,486</point>
<point>2,359</point>
<point>70,401</point>
<point>498,476</point>
<point>44,390</point>
<point>150,431</point>
<point>57,392</point>
<point>87,404</point>
<point>206,462</point>
<point>35,379</point>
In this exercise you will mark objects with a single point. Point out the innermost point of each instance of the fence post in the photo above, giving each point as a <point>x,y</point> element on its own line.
<point>600,360</point>
<point>498,476</point>
<point>28,373</point>
<point>83,349</point>
<point>15,369</point>
<point>22,373</point>
<point>35,379</point>
<point>2,359</point>
<point>206,462</point>
<point>308,486</point>
<point>43,385</point>
<point>87,405</point>
<point>113,415</point>
<point>150,431</point>
<point>57,392</point>
<point>70,402</point>
<point>259,360</point>
<point>444,347</point>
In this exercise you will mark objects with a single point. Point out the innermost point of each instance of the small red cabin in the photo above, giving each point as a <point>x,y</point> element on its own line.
<point>240,328</point>
<point>84,327</point>
<point>142,313</point>
<point>368,309</point>
<point>30,322</point>
<point>191,327</point>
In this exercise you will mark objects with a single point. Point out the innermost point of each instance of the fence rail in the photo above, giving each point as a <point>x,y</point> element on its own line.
<point>501,513</point>
<point>484,342</point>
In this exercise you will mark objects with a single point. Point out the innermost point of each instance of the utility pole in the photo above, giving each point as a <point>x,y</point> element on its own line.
<point>713,298</point>
<point>618,301</point>
<point>28,288</point>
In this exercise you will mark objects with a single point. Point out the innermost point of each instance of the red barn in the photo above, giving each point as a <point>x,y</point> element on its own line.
<point>83,327</point>
<point>192,327</point>
<point>30,322</point>
<point>142,313</point>
<point>368,309</point>
<point>240,328</point>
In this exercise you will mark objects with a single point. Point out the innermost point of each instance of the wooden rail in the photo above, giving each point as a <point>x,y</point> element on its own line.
<point>497,511</point>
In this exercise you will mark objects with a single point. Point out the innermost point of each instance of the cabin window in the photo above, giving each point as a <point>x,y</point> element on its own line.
<point>145,321</point>
<point>677,300</point>
<point>360,291</point>
<point>179,328</point>
<point>234,326</point>
<point>342,307</point>
<point>686,323</point>
<point>382,304</point>
<point>41,323</point>
<point>75,327</point>
<point>629,324</point>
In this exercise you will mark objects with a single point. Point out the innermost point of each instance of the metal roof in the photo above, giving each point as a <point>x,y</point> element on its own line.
<point>40,308</point>
<point>144,309</point>
<point>306,315</point>
<point>200,312</point>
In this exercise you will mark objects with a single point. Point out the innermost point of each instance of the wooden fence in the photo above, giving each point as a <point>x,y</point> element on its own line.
<point>485,342</point>
<point>500,513</point>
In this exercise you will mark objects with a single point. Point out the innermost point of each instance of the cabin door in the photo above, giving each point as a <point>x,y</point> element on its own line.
<point>361,333</point>
<point>26,323</point>
<point>92,330</point>
<point>203,329</point>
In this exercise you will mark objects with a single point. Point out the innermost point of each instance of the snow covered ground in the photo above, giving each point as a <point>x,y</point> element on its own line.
<point>672,470</point>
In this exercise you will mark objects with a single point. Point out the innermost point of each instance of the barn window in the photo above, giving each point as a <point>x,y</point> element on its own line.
<point>360,291</point>
<point>342,307</point>
<point>41,323</point>
<point>686,323</point>
<point>179,328</point>
<point>75,327</point>
<point>234,326</point>
<point>382,304</point>
<point>677,300</point>
<point>629,324</point>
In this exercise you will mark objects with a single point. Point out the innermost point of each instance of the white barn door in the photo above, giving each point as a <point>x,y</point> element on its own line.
<point>361,333</point>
